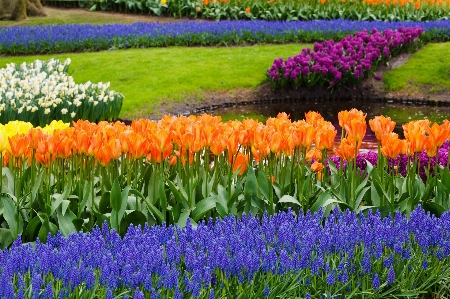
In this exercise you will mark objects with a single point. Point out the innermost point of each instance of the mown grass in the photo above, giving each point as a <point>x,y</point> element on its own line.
<point>150,77</point>
<point>60,16</point>
<point>428,69</point>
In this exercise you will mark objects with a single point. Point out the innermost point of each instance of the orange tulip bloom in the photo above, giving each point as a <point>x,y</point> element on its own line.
<point>172,160</point>
<point>313,154</point>
<point>356,130</point>
<point>241,161</point>
<point>438,133</point>
<point>414,132</point>
<point>345,117</point>
<point>392,146</point>
<point>276,143</point>
<point>417,5</point>
<point>325,139</point>
<point>430,146</point>
<point>347,149</point>
<point>381,125</point>
<point>316,166</point>
<point>206,2</point>
<point>20,144</point>
<point>247,10</point>
<point>313,117</point>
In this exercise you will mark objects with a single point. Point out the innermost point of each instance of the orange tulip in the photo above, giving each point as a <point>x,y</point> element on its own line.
<point>276,143</point>
<point>316,166</point>
<point>20,144</point>
<point>347,149</point>
<point>345,117</point>
<point>438,133</point>
<point>381,125</point>
<point>325,139</point>
<point>247,10</point>
<point>313,117</point>
<point>430,146</point>
<point>417,5</point>
<point>392,146</point>
<point>313,154</point>
<point>414,132</point>
<point>356,130</point>
<point>241,161</point>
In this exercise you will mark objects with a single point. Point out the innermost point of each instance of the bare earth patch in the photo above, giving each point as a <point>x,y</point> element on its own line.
<point>368,89</point>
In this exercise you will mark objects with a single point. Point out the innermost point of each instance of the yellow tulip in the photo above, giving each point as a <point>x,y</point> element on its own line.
<point>3,141</point>
<point>55,125</point>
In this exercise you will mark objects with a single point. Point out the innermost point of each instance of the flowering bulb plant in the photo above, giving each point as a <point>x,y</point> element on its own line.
<point>303,256</point>
<point>344,62</point>
<point>74,177</point>
<point>43,91</point>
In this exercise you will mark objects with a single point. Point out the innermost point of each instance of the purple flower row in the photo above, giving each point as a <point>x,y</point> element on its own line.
<point>332,256</point>
<point>346,61</point>
<point>65,38</point>
<point>402,161</point>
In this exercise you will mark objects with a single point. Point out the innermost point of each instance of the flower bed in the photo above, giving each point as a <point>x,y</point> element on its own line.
<point>71,38</point>
<point>395,10</point>
<point>344,62</point>
<point>281,255</point>
<point>43,91</point>
<point>196,167</point>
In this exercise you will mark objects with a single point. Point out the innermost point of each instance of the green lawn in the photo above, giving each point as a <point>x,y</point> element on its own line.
<point>148,77</point>
<point>59,16</point>
<point>428,68</point>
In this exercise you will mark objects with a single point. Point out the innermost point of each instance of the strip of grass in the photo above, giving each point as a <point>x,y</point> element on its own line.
<point>60,16</point>
<point>428,68</point>
<point>148,77</point>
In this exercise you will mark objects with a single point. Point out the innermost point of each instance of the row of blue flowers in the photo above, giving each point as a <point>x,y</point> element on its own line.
<point>304,256</point>
<point>17,40</point>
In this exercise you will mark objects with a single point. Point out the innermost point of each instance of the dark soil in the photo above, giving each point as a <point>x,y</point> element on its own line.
<point>368,89</point>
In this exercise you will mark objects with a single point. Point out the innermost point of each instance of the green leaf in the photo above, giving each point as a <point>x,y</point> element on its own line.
<point>154,211</point>
<point>222,198</point>
<point>9,179</point>
<point>37,183</point>
<point>115,196</point>
<point>136,218</point>
<point>323,200</point>
<point>65,223</point>
<point>257,203</point>
<point>203,207</point>
<point>433,208</point>
<point>12,217</point>
<point>105,203</point>
<point>6,238</point>
<point>162,197</point>
<point>87,195</point>
<point>177,194</point>
<point>263,184</point>
<point>47,227</point>
<point>289,199</point>
<point>251,185</point>
<point>32,228</point>
<point>78,223</point>
<point>183,218</point>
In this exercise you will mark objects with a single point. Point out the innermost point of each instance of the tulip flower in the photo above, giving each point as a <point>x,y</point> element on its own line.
<point>381,125</point>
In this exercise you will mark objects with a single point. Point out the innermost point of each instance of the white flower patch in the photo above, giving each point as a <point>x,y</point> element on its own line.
<point>46,90</point>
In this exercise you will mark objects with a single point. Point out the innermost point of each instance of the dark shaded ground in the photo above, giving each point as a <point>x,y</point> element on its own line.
<point>368,89</point>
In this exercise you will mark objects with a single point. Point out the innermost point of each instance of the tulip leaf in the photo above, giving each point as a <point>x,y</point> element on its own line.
<point>12,217</point>
<point>360,196</point>
<point>9,179</point>
<point>6,238</point>
<point>179,197</point>
<point>33,227</point>
<point>65,224</point>
<point>87,195</point>
<point>104,205</point>
<point>263,184</point>
<point>203,207</point>
<point>183,218</point>
<point>136,218</point>
<point>37,183</point>
<point>289,199</point>
<point>257,203</point>
<point>323,200</point>
<point>162,197</point>
<point>58,198</point>
<point>251,185</point>
<point>154,211</point>
<point>46,228</point>
<point>115,196</point>
<point>433,208</point>
<point>222,200</point>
